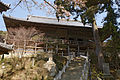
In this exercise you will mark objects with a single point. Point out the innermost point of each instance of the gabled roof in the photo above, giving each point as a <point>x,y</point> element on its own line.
<point>55,21</point>
<point>3,7</point>
<point>45,20</point>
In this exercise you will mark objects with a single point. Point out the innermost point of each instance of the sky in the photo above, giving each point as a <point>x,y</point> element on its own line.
<point>22,12</point>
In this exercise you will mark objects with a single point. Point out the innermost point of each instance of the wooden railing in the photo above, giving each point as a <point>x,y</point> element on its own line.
<point>60,41</point>
<point>85,70</point>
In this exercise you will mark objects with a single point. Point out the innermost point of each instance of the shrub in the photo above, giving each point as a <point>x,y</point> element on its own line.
<point>49,78</point>
<point>60,61</point>
<point>42,56</point>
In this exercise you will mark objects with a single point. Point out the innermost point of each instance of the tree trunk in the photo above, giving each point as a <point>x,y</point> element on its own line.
<point>98,49</point>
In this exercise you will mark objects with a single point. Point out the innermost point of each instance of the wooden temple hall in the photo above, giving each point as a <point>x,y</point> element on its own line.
<point>47,34</point>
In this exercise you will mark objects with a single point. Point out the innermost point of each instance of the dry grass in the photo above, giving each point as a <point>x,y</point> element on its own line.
<point>22,69</point>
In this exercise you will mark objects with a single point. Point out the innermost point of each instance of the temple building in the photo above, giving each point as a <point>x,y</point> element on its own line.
<point>49,35</point>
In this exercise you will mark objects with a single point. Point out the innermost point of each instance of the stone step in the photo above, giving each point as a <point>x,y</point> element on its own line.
<point>74,70</point>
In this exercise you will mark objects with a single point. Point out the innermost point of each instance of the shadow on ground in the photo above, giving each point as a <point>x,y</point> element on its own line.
<point>74,70</point>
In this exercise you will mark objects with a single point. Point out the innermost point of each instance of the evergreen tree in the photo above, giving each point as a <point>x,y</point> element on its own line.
<point>87,10</point>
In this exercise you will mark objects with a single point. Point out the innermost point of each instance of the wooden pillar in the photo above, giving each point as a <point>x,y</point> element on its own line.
<point>56,48</point>
<point>19,54</point>
<point>68,50</point>
<point>33,61</point>
<point>78,48</point>
<point>88,54</point>
<point>13,52</point>
<point>46,47</point>
<point>5,40</point>
<point>62,53</point>
<point>35,48</point>
<point>2,57</point>
<point>78,53</point>
<point>14,45</point>
<point>24,47</point>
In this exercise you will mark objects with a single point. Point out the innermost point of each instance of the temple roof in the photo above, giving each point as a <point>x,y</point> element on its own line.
<point>3,7</point>
<point>53,21</point>
<point>12,22</point>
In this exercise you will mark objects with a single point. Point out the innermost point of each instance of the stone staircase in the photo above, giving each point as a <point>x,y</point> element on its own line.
<point>74,71</point>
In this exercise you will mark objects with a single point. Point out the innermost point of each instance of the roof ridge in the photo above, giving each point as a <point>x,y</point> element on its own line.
<point>49,21</point>
<point>53,18</point>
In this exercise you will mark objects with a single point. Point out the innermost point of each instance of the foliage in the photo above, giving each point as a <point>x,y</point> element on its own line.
<point>63,46</point>
<point>2,35</point>
<point>111,53</point>
<point>110,26</point>
<point>40,63</point>
<point>93,59</point>
<point>87,10</point>
<point>112,46</point>
<point>38,37</point>
<point>42,56</point>
<point>10,67</point>
<point>35,78</point>
<point>13,69</point>
<point>49,78</point>
<point>60,61</point>
<point>3,32</point>
<point>95,72</point>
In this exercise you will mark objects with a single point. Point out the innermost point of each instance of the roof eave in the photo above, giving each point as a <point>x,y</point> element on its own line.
<point>25,20</point>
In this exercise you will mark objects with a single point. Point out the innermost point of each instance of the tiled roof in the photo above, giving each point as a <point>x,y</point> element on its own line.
<point>53,21</point>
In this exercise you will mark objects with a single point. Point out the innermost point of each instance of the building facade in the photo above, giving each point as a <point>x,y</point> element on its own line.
<point>49,34</point>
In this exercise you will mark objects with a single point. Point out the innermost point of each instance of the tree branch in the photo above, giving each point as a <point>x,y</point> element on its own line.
<point>50,5</point>
<point>16,5</point>
<point>27,6</point>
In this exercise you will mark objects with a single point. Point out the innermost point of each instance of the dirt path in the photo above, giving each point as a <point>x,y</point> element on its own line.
<point>74,70</point>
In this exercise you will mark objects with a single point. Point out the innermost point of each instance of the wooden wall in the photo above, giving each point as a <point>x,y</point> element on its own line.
<point>25,30</point>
